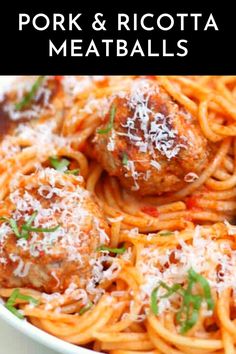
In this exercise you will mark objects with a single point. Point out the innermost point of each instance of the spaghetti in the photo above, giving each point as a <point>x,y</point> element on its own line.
<point>117,211</point>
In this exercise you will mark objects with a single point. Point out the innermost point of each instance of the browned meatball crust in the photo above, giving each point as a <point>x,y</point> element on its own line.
<point>66,230</point>
<point>150,142</point>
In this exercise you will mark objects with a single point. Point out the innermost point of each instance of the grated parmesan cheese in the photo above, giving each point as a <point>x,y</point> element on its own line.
<point>155,127</point>
<point>203,254</point>
<point>22,269</point>
<point>190,177</point>
<point>155,164</point>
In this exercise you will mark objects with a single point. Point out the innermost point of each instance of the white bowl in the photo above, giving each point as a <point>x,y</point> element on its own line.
<point>40,336</point>
<point>25,327</point>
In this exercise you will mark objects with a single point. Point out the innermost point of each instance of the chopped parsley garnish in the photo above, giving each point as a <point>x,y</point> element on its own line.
<point>74,172</point>
<point>187,315</point>
<point>12,299</point>
<point>60,164</point>
<point>30,95</point>
<point>13,225</point>
<point>120,250</point>
<point>154,295</point>
<point>110,123</point>
<point>165,233</point>
<point>85,308</point>
<point>125,159</point>
<point>41,229</point>
<point>27,226</point>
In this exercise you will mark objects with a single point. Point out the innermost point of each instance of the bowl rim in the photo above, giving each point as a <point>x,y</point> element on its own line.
<point>40,336</point>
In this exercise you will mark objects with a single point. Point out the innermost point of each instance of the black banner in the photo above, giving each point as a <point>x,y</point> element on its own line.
<point>153,40</point>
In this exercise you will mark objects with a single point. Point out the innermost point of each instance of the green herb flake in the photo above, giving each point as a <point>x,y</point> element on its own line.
<point>154,305</point>
<point>30,95</point>
<point>10,304</point>
<point>198,278</point>
<point>13,225</point>
<point>188,314</point>
<point>74,172</point>
<point>125,159</point>
<point>41,229</point>
<point>110,123</point>
<point>27,226</point>
<point>59,164</point>
<point>166,233</point>
<point>86,308</point>
<point>120,250</point>
<point>169,291</point>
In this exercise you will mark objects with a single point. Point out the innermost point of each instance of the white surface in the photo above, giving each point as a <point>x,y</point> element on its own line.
<point>18,336</point>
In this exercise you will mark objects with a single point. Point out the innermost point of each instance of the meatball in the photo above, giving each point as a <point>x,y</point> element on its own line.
<point>150,142</point>
<point>50,231</point>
